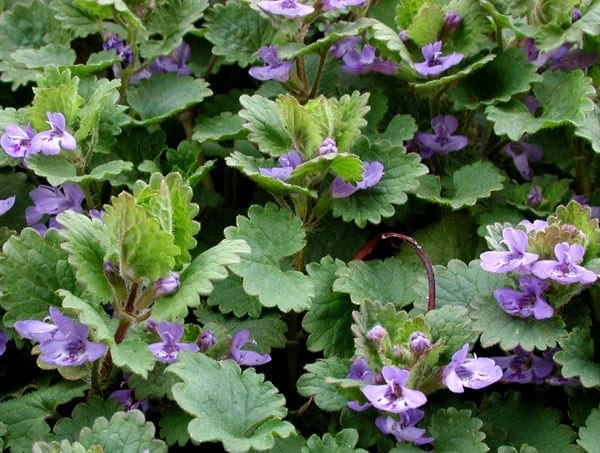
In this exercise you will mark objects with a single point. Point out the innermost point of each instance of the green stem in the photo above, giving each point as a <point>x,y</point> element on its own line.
<point>317,79</point>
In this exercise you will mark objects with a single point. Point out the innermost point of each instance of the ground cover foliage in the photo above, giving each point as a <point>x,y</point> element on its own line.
<point>269,225</point>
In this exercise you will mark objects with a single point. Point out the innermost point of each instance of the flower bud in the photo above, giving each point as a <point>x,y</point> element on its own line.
<point>575,14</point>
<point>376,334</point>
<point>207,339</point>
<point>328,146</point>
<point>452,20</point>
<point>403,35</point>
<point>167,285</point>
<point>419,343</point>
<point>534,197</point>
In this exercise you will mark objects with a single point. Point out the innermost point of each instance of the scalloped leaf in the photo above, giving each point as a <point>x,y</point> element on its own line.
<point>164,95</point>
<point>588,434</point>
<point>82,238</point>
<point>329,318</point>
<point>426,25</point>
<point>457,430</point>
<point>230,297</point>
<point>400,175</point>
<point>157,385</point>
<point>273,234</point>
<point>343,442</point>
<point>196,279</point>
<point>467,185</point>
<point>135,241</point>
<point>25,416</point>
<point>348,166</point>
<point>83,415</point>
<point>248,414</point>
<point>509,421</point>
<point>169,200</point>
<point>589,128</point>
<point>492,83</point>
<point>327,396</point>
<point>42,267</point>
<point>171,22</point>
<point>473,36</point>
<point>498,327</point>
<point>58,54</point>
<point>452,325</point>
<point>580,216</point>
<point>226,126</point>
<point>577,358</point>
<point>173,426</point>
<point>63,447</point>
<point>237,32</point>
<point>514,120</point>
<point>126,432</point>
<point>389,280</point>
<point>82,22</point>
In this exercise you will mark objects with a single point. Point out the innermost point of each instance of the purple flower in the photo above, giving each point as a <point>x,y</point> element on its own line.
<point>176,62</point>
<point>524,367</point>
<point>566,59</point>
<point>583,201</point>
<point>441,141</point>
<point>125,398</point>
<point>565,270</point>
<point>537,225</point>
<point>53,200</point>
<point>287,8</point>
<point>274,68</point>
<point>474,373</point>
<point>525,303</point>
<point>63,343</point>
<point>403,35</point>
<point>452,20</point>
<point>167,285</point>
<point>359,370</point>
<point>534,197</point>
<point>51,142</point>
<point>377,333</point>
<point>207,339</point>
<point>372,174</point>
<point>515,259</point>
<point>3,342</point>
<point>242,356</point>
<point>328,5</point>
<point>393,396</point>
<point>575,14</point>
<point>532,104</point>
<point>341,47</point>
<point>288,162</point>
<point>435,63</point>
<point>522,154</point>
<point>358,62</point>
<point>168,350</point>
<point>16,141</point>
<point>419,343</point>
<point>122,50</point>
<point>6,204</point>
<point>404,430</point>
<point>328,146</point>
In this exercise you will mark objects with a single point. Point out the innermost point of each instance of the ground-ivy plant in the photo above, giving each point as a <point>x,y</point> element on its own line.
<point>284,225</point>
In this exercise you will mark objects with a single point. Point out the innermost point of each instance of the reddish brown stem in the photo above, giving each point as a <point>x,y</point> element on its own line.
<point>372,243</point>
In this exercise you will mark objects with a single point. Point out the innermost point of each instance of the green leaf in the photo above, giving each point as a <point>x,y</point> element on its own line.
<point>509,421</point>
<point>343,442</point>
<point>451,325</point>
<point>25,416</point>
<point>400,175</point>
<point>196,279</point>
<point>390,281</point>
<point>467,185</point>
<point>401,128</point>
<point>347,166</point>
<point>240,410</point>
<point>406,11</point>
<point>42,268</point>
<point>473,35</point>
<point>266,125</point>
<point>426,25</point>
<point>589,128</point>
<point>226,126</point>
<point>82,240</point>
<point>82,22</point>
<point>237,32</point>
<point>297,120</point>
<point>588,434</point>
<point>349,112</point>
<point>171,22</point>
<point>514,120</point>
<point>273,234</point>
<point>577,358</point>
<point>58,54</point>
<point>457,430</point>
<point>230,297</point>
<point>63,447</point>
<point>554,190</point>
<point>173,426</point>
<point>83,415</point>
<point>157,385</point>
<point>57,169</point>
<point>580,216</point>
<point>126,432</point>
<point>164,95</point>
<point>168,199</point>
<point>493,83</point>
<point>498,327</point>
<point>327,396</point>
<point>329,318</point>
<point>136,242</point>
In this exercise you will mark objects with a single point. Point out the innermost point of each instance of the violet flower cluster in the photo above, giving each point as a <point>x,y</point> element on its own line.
<point>273,68</point>
<point>563,58</point>
<point>474,373</point>
<point>435,63</point>
<point>357,61</point>
<point>51,201</point>
<point>62,341</point>
<point>443,140</point>
<point>535,274</point>
<point>22,142</point>
<point>169,348</point>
